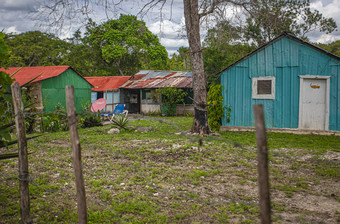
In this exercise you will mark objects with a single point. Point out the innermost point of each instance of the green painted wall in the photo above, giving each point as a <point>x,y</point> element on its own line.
<point>53,90</point>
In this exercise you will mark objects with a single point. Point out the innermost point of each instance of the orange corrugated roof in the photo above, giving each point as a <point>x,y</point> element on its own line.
<point>104,83</point>
<point>26,74</point>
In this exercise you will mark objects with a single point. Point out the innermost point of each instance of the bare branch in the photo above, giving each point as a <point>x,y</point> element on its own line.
<point>211,6</point>
<point>146,8</point>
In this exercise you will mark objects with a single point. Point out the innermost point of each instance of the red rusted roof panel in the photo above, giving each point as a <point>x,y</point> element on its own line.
<point>104,83</point>
<point>26,74</point>
<point>185,83</point>
<point>138,77</point>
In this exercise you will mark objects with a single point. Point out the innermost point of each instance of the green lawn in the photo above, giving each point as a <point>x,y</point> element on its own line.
<point>167,176</point>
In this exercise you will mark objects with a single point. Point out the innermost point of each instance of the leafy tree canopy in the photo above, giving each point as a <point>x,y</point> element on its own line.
<point>268,18</point>
<point>3,49</point>
<point>5,96</point>
<point>180,61</point>
<point>35,48</point>
<point>222,49</point>
<point>86,59</point>
<point>116,47</point>
<point>333,47</point>
<point>126,45</point>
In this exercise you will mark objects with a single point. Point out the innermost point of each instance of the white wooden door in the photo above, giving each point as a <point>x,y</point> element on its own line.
<point>314,104</point>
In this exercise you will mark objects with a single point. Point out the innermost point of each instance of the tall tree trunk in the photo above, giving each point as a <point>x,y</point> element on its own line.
<point>192,24</point>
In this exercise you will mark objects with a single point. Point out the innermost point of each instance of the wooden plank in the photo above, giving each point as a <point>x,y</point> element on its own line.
<point>22,151</point>
<point>76,155</point>
<point>263,179</point>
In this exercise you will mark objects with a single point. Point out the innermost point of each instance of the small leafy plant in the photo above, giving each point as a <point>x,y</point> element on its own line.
<point>170,96</point>
<point>89,119</point>
<point>121,122</point>
<point>55,121</point>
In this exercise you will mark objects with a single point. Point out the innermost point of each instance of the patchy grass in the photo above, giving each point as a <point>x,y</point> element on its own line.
<point>166,176</point>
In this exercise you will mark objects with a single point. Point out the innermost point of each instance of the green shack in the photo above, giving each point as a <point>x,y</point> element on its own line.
<point>48,86</point>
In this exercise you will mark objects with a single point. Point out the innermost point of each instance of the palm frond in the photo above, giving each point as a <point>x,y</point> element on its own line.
<point>15,72</point>
<point>31,80</point>
<point>121,122</point>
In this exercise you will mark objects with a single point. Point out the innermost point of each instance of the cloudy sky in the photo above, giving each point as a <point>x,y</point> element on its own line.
<point>27,15</point>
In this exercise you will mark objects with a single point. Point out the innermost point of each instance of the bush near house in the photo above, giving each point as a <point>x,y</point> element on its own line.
<point>170,96</point>
<point>5,96</point>
<point>216,111</point>
<point>89,119</point>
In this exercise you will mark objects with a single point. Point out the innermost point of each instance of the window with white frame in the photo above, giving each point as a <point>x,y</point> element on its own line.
<point>263,87</point>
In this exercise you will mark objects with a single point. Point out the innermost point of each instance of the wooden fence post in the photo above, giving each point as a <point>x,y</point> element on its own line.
<point>262,156</point>
<point>76,155</point>
<point>22,152</point>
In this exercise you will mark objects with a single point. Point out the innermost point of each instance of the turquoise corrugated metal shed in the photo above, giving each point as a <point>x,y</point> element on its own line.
<point>297,83</point>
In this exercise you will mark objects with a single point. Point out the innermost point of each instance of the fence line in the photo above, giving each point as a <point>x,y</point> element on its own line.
<point>262,160</point>
<point>76,155</point>
<point>192,137</point>
<point>22,153</point>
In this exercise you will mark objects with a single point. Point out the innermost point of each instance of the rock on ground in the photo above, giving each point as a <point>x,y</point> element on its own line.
<point>144,129</point>
<point>113,131</point>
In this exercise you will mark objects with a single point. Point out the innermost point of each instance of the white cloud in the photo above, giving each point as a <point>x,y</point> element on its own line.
<point>12,29</point>
<point>14,17</point>
<point>170,34</point>
<point>174,43</point>
<point>329,9</point>
<point>325,38</point>
<point>25,5</point>
<point>167,28</point>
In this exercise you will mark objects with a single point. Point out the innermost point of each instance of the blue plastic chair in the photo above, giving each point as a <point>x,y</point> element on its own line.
<point>119,109</point>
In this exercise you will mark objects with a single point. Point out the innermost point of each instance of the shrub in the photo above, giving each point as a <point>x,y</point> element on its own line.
<point>89,119</point>
<point>121,122</point>
<point>216,112</point>
<point>170,97</point>
<point>55,121</point>
<point>154,113</point>
<point>6,119</point>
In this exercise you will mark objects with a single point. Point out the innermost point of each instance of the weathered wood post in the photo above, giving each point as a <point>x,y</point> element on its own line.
<point>22,151</point>
<point>262,157</point>
<point>76,155</point>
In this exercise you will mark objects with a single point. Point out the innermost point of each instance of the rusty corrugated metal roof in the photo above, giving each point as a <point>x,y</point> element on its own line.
<point>186,83</point>
<point>146,79</point>
<point>103,83</point>
<point>26,74</point>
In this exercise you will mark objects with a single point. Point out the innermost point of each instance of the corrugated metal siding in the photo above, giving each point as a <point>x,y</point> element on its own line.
<point>53,90</point>
<point>334,119</point>
<point>159,79</point>
<point>285,59</point>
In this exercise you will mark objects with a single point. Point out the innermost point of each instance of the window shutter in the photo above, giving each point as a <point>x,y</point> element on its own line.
<point>264,87</point>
